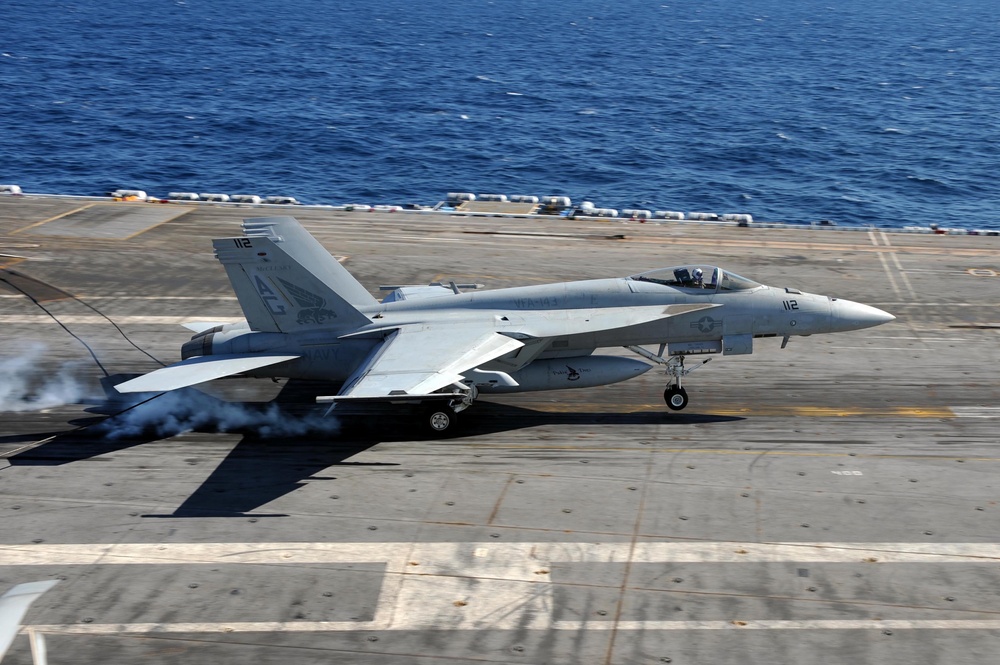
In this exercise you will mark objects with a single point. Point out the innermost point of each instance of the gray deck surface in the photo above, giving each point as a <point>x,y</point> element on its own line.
<point>832,502</point>
<point>107,220</point>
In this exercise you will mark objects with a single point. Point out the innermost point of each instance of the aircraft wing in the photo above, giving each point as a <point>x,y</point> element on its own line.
<point>198,370</point>
<point>420,359</point>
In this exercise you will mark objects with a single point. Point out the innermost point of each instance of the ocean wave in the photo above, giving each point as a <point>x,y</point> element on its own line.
<point>789,118</point>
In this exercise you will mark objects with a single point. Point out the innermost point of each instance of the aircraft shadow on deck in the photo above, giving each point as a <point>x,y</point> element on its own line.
<point>493,418</point>
<point>286,442</point>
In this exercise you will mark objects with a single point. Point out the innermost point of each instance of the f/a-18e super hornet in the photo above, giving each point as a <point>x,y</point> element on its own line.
<point>437,346</point>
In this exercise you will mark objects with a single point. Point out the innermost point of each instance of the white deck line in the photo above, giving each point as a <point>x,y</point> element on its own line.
<point>340,626</point>
<point>492,559</point>
<point>489,585</point>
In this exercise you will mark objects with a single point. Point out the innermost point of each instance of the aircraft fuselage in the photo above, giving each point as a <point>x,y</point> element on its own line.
<point>740,316</point>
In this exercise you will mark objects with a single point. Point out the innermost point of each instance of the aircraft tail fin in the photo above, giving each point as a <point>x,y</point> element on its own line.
<point>286,281</point>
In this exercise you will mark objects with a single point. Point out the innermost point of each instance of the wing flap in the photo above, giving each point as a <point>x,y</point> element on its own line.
<point>420,359</point>
<point>198,370</point>
<point>392,399</point>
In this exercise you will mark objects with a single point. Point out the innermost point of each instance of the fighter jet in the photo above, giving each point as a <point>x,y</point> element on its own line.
<point>441,346</point>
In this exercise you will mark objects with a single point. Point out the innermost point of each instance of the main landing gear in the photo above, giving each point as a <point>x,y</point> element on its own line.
<point>675,396</point>
<point>439,419</point>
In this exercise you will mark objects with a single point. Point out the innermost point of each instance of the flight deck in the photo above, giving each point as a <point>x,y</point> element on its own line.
<point>833,501</point>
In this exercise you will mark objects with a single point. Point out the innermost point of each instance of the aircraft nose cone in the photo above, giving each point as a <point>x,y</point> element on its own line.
<point>849,315</point>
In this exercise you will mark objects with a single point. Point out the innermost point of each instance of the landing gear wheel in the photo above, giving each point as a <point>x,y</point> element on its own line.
<point>439,419</point>
<point>676,398</point>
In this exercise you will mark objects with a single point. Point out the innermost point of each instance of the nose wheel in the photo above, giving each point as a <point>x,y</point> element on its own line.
<point>675,397</point>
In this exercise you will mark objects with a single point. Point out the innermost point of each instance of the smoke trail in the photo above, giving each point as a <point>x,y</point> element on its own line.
<point>190,410</point>
<point>26,386</point>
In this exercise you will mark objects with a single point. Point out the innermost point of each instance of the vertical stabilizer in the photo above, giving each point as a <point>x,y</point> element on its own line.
<point>286,281</point>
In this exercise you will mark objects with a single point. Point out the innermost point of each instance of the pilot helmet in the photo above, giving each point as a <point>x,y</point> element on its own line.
<point>698,273</point>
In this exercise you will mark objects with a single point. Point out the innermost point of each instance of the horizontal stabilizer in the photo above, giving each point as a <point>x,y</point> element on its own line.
<point>202,326</point>
<point>14,605</point>
<point>198,370</point>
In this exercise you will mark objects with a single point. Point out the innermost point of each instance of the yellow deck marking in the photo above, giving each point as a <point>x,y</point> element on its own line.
<point>758,410</point>
<point>179,213</point>
<point>52,219</point>
<point>157,224</point>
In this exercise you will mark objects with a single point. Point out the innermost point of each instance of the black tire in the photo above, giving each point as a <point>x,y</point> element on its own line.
<point>676,398</point>
<point>439,420</point>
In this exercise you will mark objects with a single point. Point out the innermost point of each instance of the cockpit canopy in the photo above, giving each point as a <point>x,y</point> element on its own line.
<point>697,277</point>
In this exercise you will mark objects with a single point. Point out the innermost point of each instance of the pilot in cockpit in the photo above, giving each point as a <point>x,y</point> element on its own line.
<point>699,276</point>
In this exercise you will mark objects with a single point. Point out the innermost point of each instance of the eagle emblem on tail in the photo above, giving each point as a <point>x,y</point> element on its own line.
<point>312,306</point>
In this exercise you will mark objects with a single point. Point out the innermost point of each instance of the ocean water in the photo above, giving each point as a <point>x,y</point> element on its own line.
<point>863,112</point>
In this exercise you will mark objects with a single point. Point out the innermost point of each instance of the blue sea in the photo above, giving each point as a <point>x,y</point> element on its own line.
<point>883,112</point>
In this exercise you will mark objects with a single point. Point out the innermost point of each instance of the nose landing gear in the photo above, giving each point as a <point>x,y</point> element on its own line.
<point>675,396</point>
